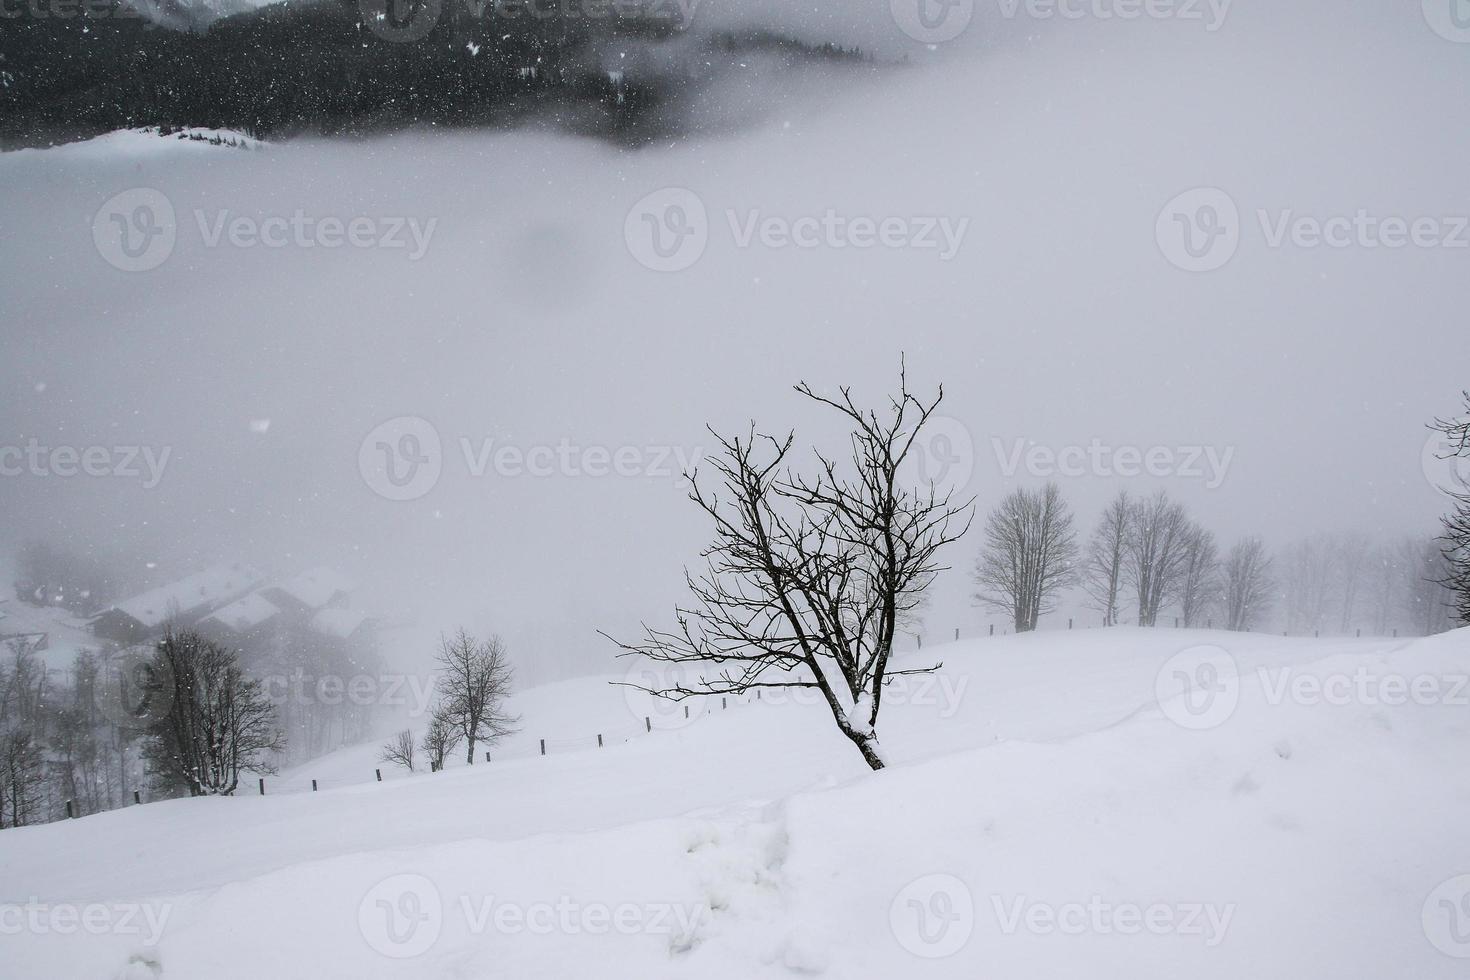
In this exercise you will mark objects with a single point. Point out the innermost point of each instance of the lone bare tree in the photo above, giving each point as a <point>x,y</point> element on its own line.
<point>1107,550</point>
<point>1247,585</point>
<point>476,678</point>
<point>399,750</point>
<point>440,738</point>
<point>1456,538</point>
<point>219,723</point>
<point>1030,554</point>
<point>810,574</point>
<point>1199,581</point>
<point>1158,532</point>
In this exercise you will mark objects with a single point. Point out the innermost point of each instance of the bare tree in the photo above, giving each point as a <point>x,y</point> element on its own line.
<point>810,575</point>
<point>1247,584</point>
<point>1107,550</point>
<point>1455,542</point>
<point>440,738</point>
<point>1426,597</point>
<point>1030,554</point>
<point>476,679</point>
<point>22,778</point>
<point>219,723</point>
<point>1157,541</point>
<point>1308,580</point>
<point>1350,565</point>
<point>399,751</point>
<point>1199,582</point>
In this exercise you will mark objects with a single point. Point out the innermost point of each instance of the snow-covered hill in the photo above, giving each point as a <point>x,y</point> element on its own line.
<point>1059,806</point>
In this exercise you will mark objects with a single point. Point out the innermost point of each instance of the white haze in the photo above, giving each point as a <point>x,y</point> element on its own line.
<point>528,321</point>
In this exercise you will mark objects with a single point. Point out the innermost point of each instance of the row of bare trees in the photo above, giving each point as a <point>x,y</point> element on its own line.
<point>1143,555</point>
<point>1146,555</point>
<point>473,682</point>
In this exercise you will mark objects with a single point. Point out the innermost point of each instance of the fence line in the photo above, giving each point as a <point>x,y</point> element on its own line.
<point>625,734</point>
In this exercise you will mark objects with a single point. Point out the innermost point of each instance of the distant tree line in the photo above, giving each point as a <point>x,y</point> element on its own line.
<point>320,67</point>
<point>180,717</point>
<point>1147,555</point>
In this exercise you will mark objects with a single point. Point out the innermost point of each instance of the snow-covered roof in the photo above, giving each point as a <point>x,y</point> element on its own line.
<point>316,587</point>
<point>244,614</point>
<point>197,593</point>
<point>341,623</point>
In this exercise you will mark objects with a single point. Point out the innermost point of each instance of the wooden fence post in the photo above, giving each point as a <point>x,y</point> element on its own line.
<point>262,785</point>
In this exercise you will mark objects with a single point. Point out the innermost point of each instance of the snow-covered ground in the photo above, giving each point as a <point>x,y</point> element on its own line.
<point>1059,806</point>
